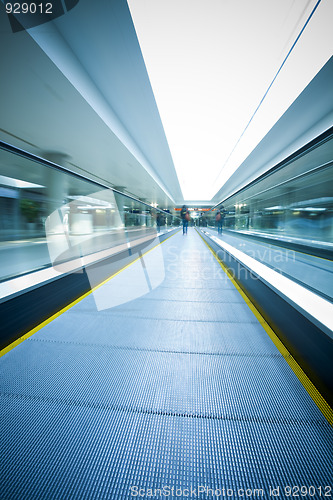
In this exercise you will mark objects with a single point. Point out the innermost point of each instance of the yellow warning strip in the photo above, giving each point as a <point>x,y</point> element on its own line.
<point>64,309</point>
<point>322,404</point>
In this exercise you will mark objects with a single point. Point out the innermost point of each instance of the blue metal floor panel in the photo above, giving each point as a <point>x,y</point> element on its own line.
<point>181,388</point>
<point>125,331</point>
<point>184,311</point>
<point>78,452</point>
<point>216,385</point>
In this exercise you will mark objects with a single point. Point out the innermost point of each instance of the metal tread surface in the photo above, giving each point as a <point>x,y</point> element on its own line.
<point>246,339</point>
<point>178,388</point>
<point>216,385</point>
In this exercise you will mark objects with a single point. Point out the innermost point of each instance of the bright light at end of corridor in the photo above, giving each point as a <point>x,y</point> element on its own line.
<point>211,62</point>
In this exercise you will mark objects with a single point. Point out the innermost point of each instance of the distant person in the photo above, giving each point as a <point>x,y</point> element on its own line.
<point>219,221</point>
<point>158,222</point>
<point>185,218</point>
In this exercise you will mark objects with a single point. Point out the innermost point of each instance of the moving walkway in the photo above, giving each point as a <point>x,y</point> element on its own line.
<point>184,390</point>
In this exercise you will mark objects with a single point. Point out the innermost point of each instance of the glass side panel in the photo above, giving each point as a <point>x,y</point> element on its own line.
<point>49,216</point>
<point>295,202</point>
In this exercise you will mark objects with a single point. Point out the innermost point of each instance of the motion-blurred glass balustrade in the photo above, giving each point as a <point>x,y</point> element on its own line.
<point>294,202</point>
<point>52,217</point>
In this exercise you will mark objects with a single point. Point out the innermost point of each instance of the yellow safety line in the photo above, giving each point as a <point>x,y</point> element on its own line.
<point>319,400</point>
<point>64,309</point>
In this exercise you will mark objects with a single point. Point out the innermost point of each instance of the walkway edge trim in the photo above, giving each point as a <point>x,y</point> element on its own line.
<point>24,337</point>
<point>315,395</point>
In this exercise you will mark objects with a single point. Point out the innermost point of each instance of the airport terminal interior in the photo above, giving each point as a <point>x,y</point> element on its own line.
<point>166,237</point>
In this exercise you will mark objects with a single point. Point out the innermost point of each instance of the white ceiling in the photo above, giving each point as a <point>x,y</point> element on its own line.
<point>79,86</point>
<point>211,63</point>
